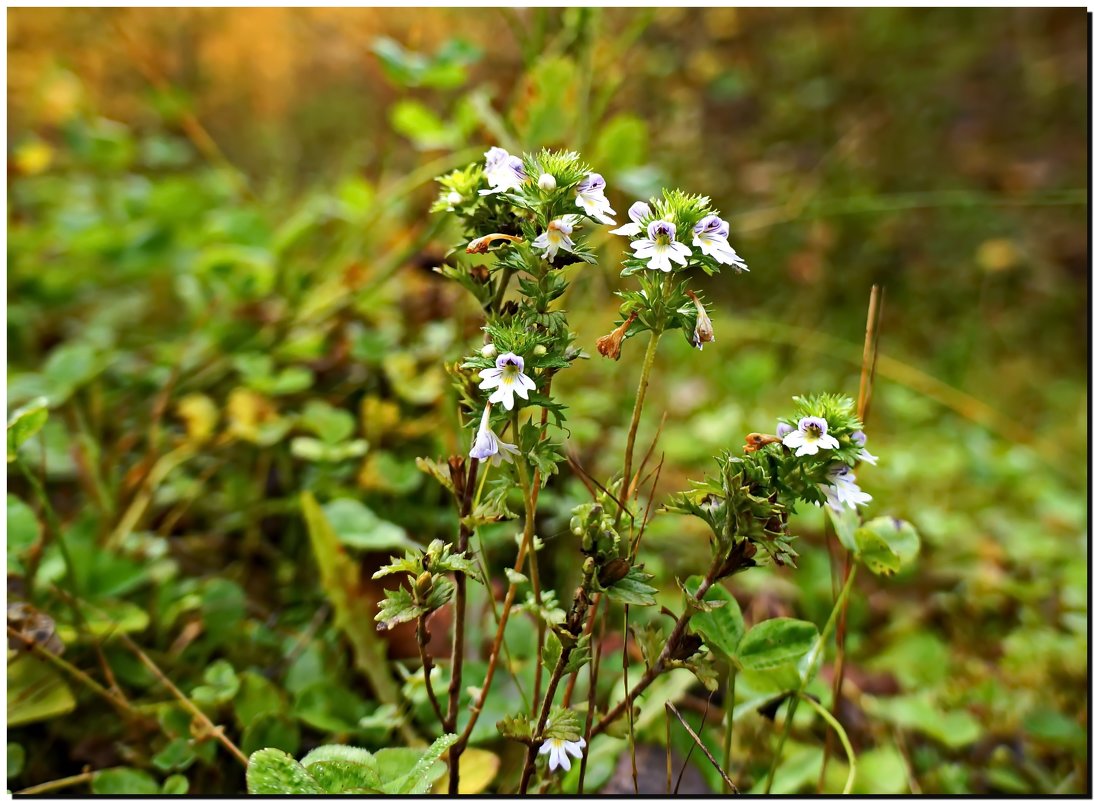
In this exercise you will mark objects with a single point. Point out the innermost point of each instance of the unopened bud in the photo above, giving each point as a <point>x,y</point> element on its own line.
<point>547,182</point>
<point>539,350</point>
<point>704,330</point>
<point>489,351</point>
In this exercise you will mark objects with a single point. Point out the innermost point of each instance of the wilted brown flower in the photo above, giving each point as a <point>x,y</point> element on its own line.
<point>611,345</point>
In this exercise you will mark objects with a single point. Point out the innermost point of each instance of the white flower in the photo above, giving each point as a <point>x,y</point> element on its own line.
<point>841,489</point>
<point>557,236</point>
<point>560,751</point>
<point>710,235</point>
<point>637,212</point>
<point>503,172</point>
<point>547,182</point>
<point>590,197</point>
<point>860,439</point>
<point>811,435</point>
<point>487,444</point>
<point>661,247</point>
<point>506,378</point>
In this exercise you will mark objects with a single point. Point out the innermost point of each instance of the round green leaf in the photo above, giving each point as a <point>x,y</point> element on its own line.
<point>776,642</point>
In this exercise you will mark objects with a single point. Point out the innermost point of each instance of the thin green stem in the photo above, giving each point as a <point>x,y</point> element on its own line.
<point>636,416</point>
<point>842,734</point>
<point>810,671</point>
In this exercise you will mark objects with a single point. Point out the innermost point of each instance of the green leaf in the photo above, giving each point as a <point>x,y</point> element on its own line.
<point>846,523</point>
<point>422,127</point>
<point>23,532</point>
<point>425,771</point>
<point>721,628</point>
<point>330,707</point>
<point>955,729</point>
<point>776,642</point>
<point>886,544</point>
<point>330,424</point>
<point>353,611</point>
<point>271,730</point>
<point>24,423</point>
<point>36,692</point>
<point>358,527</point>
<point>342,768</point>
<point>515,727</point>
<point>124,781</point>
<point>221,684</point>
<point>563,724</point>
<point>176,755</point>
<point>273,772</point>
<point>634,588</point>
<point>17,758</point>
<point>176,785</point>
<point>257,696</point>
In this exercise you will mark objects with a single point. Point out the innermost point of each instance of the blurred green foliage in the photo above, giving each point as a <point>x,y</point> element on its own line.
<point>220,287</point>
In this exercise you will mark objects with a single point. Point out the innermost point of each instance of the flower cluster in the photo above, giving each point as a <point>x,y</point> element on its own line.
<point>668,235</point>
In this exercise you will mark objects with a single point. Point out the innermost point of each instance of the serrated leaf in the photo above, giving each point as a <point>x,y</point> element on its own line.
<point>634,588</point>
<point>515,727</point>
<point>273,772</point>
<point>342,768</point>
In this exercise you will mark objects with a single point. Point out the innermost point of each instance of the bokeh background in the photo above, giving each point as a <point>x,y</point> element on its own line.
<point>220,274</point>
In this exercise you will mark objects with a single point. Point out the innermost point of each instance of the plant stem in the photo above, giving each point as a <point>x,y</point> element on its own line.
<point>427,669</point>
<point>58,784</point>
<point>636,416</point>
<point>658,667</point>
<point>727,743</point>
<point>455,683</point>
<point>842,734</point>
<point>541,724</point>
<point>810,671</point>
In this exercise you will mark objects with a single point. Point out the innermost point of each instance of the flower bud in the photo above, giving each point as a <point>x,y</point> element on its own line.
<point>453,198</point>
<point>704,330</point>
<point>539,350</point>
<point>489,351</point>
<point>547,182</point>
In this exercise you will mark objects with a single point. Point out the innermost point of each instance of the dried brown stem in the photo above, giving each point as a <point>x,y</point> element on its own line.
<point>695,738</point>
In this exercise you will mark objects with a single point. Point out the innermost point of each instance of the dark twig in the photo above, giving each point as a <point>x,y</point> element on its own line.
<point>695,738</point>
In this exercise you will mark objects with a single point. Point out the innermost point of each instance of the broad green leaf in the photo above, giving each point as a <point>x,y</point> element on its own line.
<point>846,523</point>
<point>273,772</point>
<point>330,707</point>
<point>176,755</point>
<point>176,785</point>
<point>886,544</point>
<point>17,758</point>
<point>221,684</point>
<point>721,628</point>
<point>634,588</point>
<point>24,423</point>
<point>23,531</point>
<point>339,768</point>
<point>358,527</point>
<point>330,424</point>
<point>353,612</point>
<point>955,729</point>
<point>776,642</point>
<point>257,696</point>
<point>124,781</point>
<point>271,730</point>
<point>422,127</point>
<point>412,770</point>
<point>36,692</point>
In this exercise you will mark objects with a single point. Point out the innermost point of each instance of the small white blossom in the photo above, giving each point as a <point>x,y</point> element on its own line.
<point>842,491</point>
<point>503,171</point>
<point>661,247</point>
<point>711,236</point>
<point>810,435</point>
<point>506,378</point>
<point>859,439</point>
<point>547,182</point>
<point>637,212</point>
<point>557,236</point>
<point>590,197</point>
<point>488,445</point>
<point>560,751</point>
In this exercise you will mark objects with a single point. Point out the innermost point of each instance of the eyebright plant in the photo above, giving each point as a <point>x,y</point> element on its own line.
<point>522,220</point>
